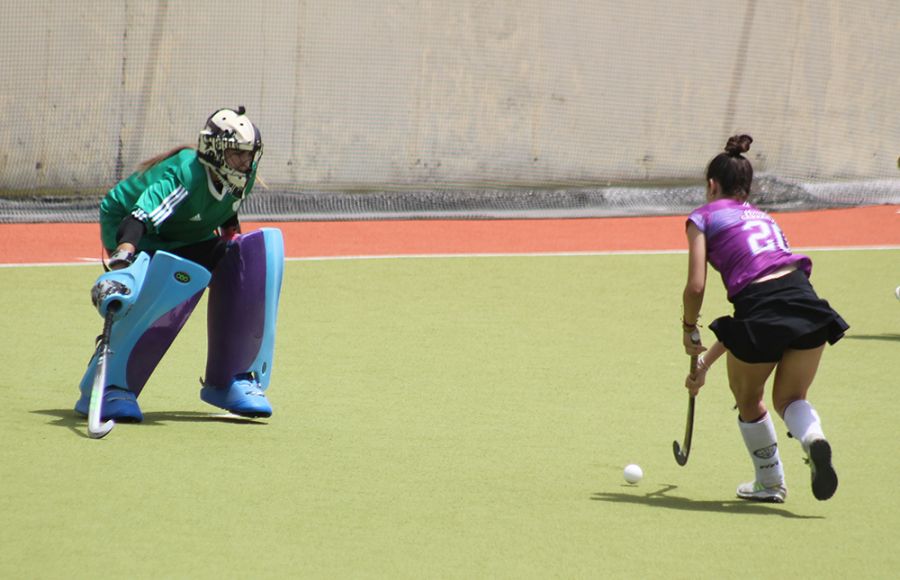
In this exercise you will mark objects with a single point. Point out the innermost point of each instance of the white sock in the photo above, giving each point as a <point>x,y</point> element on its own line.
<point>803,422</point>
<point>762,443</point>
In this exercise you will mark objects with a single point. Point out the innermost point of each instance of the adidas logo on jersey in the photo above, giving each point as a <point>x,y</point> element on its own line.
<point>196,218</point>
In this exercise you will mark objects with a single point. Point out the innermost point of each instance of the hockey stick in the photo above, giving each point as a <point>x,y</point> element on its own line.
<point>96,430</point>
<point>683,451</point>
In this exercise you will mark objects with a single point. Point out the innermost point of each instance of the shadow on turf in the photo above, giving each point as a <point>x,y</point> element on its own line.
<point>894,337</point>
<point>661,500</point>
<point>71,420</point>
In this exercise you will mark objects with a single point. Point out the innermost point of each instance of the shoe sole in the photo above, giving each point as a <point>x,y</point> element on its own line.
<point>763,498</point>
<point>824,478</point>
<point>251,414</point>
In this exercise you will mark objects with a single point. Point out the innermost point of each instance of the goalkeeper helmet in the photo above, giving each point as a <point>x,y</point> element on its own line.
<point>229,129</point>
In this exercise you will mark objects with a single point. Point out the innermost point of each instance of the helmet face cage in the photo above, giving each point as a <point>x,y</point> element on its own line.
<point>229,129</point>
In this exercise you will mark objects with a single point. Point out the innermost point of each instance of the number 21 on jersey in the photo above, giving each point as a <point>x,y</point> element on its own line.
<point>765,237</point>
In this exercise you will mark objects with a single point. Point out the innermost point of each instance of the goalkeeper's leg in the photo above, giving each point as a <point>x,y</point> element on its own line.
<point>243,307</point>
<point>167,289</point>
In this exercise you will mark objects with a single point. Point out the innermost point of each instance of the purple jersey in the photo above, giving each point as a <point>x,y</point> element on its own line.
<point>743,243</point>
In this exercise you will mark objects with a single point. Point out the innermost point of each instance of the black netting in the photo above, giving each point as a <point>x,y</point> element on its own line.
<point>769,193</point>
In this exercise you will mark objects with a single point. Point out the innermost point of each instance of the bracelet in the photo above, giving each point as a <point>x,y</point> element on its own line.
<point>701,364</point>
<point>688,327</point>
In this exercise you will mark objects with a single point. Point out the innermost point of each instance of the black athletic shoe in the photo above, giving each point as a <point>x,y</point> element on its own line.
<point>824,478</point>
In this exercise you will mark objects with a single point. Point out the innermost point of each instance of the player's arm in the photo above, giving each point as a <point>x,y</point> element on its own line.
<point>152,208</point>
<point>692,297</point>
<point>704,362</point>
<point>128,235</point>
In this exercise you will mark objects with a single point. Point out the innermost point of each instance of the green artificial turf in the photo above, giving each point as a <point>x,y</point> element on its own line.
<point>445,417</point>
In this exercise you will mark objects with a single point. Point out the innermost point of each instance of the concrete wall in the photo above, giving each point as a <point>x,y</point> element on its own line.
<point>365,94</point>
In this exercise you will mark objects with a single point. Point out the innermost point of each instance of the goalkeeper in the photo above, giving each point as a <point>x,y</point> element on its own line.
<point>170,230</point>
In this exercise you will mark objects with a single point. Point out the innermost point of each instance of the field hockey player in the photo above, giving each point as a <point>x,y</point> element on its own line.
<point>779,323</point>
<point>171,230</point>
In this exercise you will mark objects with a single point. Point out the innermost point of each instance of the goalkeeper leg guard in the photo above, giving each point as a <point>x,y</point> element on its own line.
<point>243,308</point>
<point>169,290</point>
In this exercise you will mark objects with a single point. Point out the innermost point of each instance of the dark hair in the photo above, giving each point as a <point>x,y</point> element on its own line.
<point>731,170</point>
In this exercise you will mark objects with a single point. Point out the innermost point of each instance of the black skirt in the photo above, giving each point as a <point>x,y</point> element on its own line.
<point>773,316</point>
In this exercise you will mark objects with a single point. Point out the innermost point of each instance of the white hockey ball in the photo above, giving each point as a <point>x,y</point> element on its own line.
<point>633,473</point>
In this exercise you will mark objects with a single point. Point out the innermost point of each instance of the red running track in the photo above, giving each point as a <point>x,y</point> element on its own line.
<point>855,227</point>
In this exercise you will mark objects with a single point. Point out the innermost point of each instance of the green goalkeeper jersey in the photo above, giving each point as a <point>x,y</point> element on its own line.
<point>175,201</point>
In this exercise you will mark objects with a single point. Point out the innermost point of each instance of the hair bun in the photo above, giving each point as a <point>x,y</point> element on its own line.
<point>738,144</point>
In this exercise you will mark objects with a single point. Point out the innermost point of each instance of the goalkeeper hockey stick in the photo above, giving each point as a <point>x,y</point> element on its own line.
<point>683,451</point>
<point>96,430</point>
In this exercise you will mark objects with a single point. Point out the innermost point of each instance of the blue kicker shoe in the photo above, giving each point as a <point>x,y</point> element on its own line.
<point>243,397</point>
<point>120,405</point>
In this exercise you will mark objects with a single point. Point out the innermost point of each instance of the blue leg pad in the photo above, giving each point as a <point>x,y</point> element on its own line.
<point>168,291</point>
<point>242,310</point>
